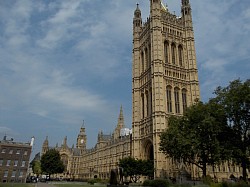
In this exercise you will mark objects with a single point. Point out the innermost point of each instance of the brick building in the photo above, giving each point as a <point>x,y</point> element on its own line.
<point>14,160</point>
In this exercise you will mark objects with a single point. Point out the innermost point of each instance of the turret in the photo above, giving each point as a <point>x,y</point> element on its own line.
<point>186,13</point>
<point>137,22</point>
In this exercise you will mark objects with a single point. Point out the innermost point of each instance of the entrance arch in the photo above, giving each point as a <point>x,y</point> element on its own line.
<point>148,150</point>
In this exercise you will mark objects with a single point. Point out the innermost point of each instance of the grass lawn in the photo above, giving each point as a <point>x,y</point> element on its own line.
<point>16,185</point>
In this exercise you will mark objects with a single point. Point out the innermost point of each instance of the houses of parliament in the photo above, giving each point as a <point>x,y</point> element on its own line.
<point>164,83</point>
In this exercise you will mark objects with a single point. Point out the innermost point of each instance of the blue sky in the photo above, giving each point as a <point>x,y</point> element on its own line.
<point>62,62</point>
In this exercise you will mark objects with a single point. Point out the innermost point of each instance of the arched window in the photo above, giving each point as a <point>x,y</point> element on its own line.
<point>142,62</point>
<point>177,100</point>
<point>180,52</point>
<point>146,104</point>
<point>146,58</point>
<point>166,48</point>
<point>169,99</point>
<point>173,53</point>
<point>151,101</point>
<point>142,105</point>
<point>149,56</point>
<point>184,99</point>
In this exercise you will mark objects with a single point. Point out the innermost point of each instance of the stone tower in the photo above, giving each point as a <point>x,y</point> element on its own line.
<point>119,126</point>
<point>45,146</point>
<point>81,139</point>
<point>165,78</point>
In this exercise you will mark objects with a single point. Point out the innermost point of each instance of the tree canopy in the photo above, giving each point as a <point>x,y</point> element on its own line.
<point>135,167</point>
<point>235,100</point>
<point>36,167</point>
<point>195,137</point>
<point>51,162</point>
<point>210,133</point>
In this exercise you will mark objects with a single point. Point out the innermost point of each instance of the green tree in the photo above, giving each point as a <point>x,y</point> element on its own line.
<point>195,137</point>
<point>51,162</point>
<point>148,168</point>
<point>235,99</point>
<point>36,167</point>
<point>134,168</point>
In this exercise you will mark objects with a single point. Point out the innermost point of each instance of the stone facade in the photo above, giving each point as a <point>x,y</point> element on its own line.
<point>165,78</point>
<point>164,83</point>
<point>82,163</point>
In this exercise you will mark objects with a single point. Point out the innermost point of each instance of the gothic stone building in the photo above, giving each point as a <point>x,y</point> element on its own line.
<point>82,163</point>
<point>164,83</point>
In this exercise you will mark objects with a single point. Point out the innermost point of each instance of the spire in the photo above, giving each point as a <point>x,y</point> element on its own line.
<point>137,12</point>
<point>121,118</point>
<point>65,142</point>
<point>46,142</point>
<point>137,17</point>
<point>45,146</point>
<point>83,124</point>
<point>82,129</point>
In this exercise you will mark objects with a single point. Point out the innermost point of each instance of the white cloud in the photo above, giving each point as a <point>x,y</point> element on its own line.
<point>62,61</point>
<point>7,131</point>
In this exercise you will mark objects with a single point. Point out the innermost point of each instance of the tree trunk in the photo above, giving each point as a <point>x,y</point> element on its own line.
<point>244,169</point>
<point>204,169</point>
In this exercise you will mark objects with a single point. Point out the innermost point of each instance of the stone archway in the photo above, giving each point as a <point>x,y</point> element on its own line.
<point>148,150</point>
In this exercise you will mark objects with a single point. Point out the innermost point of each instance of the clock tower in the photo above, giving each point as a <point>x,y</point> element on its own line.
<point>81,138</point>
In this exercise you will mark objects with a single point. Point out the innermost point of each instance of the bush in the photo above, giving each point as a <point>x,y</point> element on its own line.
<point>95,180</point>
<point>147,183</point>
<point>241,184</point>
<point>207,180</point>
<point>156,183</point>
<point>184,185</point>
<point>231,184</point>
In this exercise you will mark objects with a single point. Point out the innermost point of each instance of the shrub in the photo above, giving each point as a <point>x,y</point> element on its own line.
<point>207,180</point>
<point>241,184</point>
<point>184,185</point>
<point>156,183</point>
<point>147,183</point>
<point>95,180</point>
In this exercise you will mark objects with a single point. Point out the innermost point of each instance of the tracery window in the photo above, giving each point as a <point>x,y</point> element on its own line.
<point>184,99</point>
<point>173,53</point>
<point>142,62</point>
<point>142,105</point>
<point>180,52</point>
<point>166,48</point>
<point>177,100</point>
<point>146,58</point>
<point>169,99</point>
<point>149,56</point>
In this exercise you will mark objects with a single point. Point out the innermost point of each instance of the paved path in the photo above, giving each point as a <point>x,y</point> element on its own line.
<point>43,184</point>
